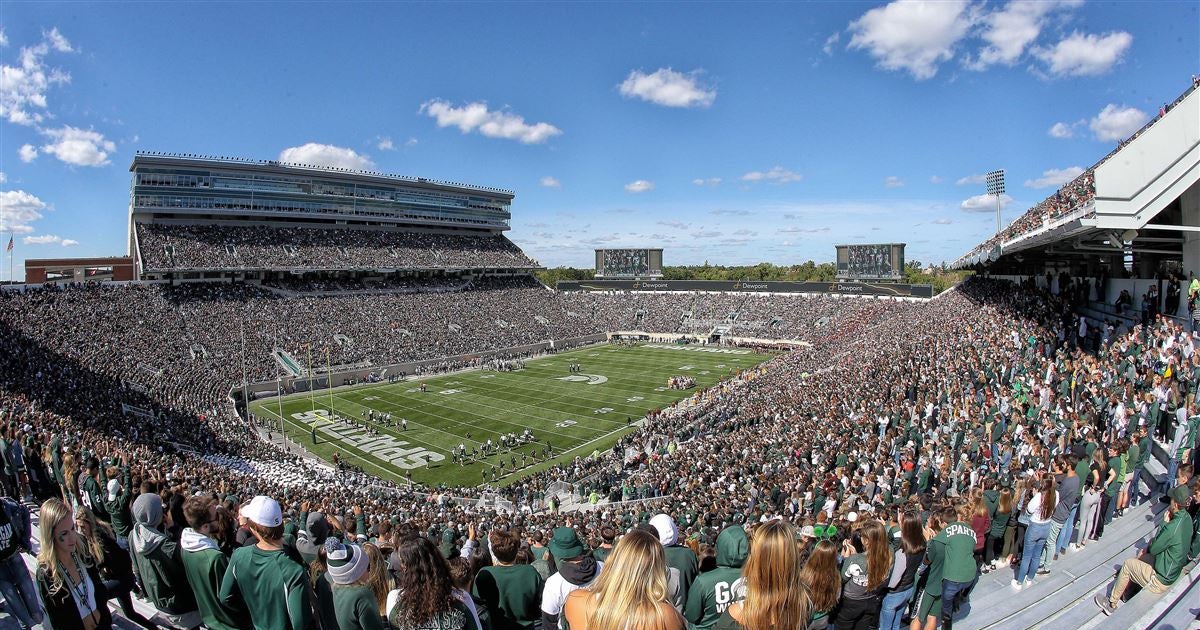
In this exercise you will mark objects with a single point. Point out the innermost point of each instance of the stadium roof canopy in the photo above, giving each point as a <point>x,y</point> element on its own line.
<point>1146,206</point>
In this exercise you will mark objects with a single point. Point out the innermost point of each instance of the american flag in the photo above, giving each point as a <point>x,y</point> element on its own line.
<point>10,245</point>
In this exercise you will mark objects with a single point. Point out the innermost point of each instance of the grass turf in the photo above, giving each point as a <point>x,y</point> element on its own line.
<point>576,413</point>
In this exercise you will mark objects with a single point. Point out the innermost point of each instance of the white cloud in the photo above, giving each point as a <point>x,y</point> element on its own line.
<point>934,179</point>
<point>711,181</point>
<point>1085,55</point>
<point>985,203</point>
<point>639,186</point>
<point>971,179</point>
<point>830,42</point>
<point>69,242</point>
<point>384,143</point>
<point>942,222</point>
<point>78,147</point>
<point>493,124</point>
<point>57,41</point>
<point>913,35</point>
<point>411,142</point>
<point>893,182</point>
<point>315,154</point>
<point>777,174</point>
<point>1117,123</point>
<point>3,38</point>
<point>1009,31</point>
<point>550,182</point>
<point>3,178</point>
<point>678,225</point>
<point>23,86</point>
<point>1061,131</point>
<point>799,230</point>
<point>1054,177</point>
<point>47,239</point>
<point>18,209</point>
<point>28,153</point>
<point>668,88</point>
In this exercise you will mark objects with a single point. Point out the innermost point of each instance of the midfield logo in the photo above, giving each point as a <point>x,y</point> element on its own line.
<point>590,379</point>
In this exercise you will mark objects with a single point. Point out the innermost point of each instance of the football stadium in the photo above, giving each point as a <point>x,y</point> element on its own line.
<point>567,386</point>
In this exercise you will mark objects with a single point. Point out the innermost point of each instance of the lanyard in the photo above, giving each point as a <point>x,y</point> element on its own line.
<point>83,589</point>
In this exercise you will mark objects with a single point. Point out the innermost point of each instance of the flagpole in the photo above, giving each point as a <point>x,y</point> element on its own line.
<point>279,389</point>
<point>245,380</point>
<point>312,388</point>
<point>329,379</point>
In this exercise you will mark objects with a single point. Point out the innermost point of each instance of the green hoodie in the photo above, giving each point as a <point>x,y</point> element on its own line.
<point>991,499</point>
<point>157,561</point>
<point>714,591</point>
<point>205,567</point>
<point>1170,547</point>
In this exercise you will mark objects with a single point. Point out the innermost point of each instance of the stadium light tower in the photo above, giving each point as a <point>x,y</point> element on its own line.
<point>995,186</point>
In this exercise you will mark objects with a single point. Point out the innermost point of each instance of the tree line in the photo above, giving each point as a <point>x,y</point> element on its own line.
<point>915,272</point>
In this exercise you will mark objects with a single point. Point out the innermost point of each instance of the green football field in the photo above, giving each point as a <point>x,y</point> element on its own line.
<point>575,412</point>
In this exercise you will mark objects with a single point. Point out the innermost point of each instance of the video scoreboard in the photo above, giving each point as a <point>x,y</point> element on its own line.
<point>629,263</point>
<point>870,262</point>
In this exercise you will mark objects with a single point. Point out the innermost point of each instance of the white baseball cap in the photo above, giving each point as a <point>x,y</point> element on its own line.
<point>263,510</point>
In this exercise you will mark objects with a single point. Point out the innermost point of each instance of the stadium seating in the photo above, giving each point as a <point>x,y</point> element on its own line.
<point>137,384</point>
<point>177,247</point>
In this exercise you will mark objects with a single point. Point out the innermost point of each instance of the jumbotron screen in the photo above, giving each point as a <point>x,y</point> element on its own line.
<point>870,262</point>
<point>628,263</point>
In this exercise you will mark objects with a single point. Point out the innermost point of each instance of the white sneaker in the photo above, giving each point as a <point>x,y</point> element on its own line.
<point>1016,585</point>
<point>1029,583</point>
<point>1075,547</point>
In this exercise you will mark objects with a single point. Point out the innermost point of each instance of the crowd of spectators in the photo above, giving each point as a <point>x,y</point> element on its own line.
<point>776,316</point>
<point>907,442</point>
<point>178,247</point>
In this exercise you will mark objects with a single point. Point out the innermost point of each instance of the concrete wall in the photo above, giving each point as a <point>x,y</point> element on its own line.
<point>1151,171</point>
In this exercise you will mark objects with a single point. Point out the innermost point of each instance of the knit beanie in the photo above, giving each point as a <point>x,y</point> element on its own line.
<point>347,563</point>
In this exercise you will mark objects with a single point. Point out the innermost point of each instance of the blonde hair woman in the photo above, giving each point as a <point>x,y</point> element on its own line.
<point>629,594</point>
<point>380,584</point>
<point>72,592</point>
<point>776,597</point>
<point>113,563</point>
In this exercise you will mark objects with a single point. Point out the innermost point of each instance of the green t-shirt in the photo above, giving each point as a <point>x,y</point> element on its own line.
<point>254,583</point>
<point>1114,464</point>
<point>601,553</point>
<point>936,554</point>
<point>356,608</point>
<point>959,540</point>
<point>1084,470</point>
<point>1133,457</point>
<point>512,594</point>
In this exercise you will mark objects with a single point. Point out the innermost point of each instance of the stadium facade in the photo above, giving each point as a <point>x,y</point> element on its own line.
<point>1133,214</point>
<point>171,189</point>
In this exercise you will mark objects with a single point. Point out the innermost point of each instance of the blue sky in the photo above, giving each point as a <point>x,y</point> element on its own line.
<point>733,133</point>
